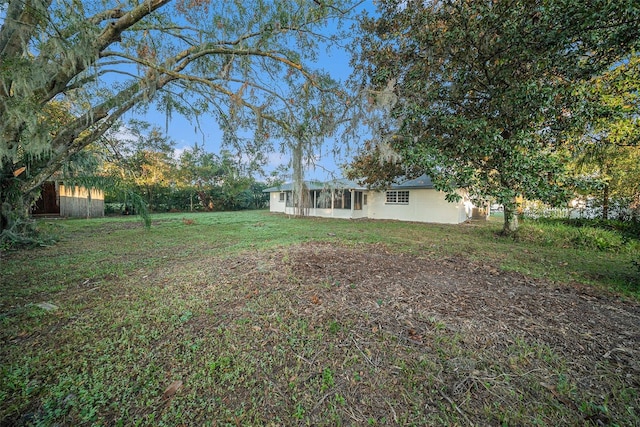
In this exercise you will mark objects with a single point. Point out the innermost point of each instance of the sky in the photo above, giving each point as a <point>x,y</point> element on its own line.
<point>185,133</point>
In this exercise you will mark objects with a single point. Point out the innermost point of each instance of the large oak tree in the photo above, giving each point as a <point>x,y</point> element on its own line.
<point>233,60</point>
<point>482,93</point>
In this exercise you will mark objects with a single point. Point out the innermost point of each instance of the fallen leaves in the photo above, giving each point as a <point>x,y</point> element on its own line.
<point>170,391</point>
<point>47,306</point>
<point>414,336</point>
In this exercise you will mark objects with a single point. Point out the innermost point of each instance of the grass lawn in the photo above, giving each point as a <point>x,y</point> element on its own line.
<point>250,318</point>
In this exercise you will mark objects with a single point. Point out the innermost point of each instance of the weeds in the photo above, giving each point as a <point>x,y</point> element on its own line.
<point>257,327</point>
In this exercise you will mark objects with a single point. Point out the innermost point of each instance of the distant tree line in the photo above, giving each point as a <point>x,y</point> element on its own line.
<point>146,164</point>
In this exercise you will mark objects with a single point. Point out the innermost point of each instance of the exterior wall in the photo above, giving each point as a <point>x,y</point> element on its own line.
<point>362,213</point>
<point>425,205</point>
<point>275,205</point>
<point>328,213</point>
<point>325,213</point>
<point>78,202</point>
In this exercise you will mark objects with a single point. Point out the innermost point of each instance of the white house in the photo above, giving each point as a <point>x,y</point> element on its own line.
<point>412,200</point>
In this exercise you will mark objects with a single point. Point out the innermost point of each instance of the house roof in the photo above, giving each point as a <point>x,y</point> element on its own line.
<point>343,184</point>
<point>423,181</point>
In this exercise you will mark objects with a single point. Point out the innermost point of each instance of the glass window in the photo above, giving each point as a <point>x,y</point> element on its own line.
<point>346,197</point>
<point>396,197</point>
<point>323,199</point>
<point>342,199</point>
<point>357,200</point>
<point>337,200</point>
<point>392,196</point>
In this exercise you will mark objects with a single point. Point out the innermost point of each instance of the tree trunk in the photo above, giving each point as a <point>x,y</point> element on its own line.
<point>605,202</point>
<point>510,218</point>
<point>16,226</point>
<point>299,189</point>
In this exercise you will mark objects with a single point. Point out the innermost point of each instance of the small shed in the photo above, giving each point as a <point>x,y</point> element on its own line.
<point>57,199</point>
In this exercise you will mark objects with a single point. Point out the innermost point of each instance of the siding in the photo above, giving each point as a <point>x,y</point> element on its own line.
<point>275,205</point>
<point>425,205</point>
<point>78,202</point>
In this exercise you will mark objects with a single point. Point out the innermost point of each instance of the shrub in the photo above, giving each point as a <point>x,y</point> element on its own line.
<point>610,236</point>
<point>596,238</point>
<point>545,233</point>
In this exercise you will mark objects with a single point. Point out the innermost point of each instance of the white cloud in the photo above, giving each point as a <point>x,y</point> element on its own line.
<point>177,152</point>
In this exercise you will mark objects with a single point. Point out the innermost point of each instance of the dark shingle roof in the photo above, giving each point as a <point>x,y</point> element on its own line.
<point>319,185</point>
<point>423,181</point>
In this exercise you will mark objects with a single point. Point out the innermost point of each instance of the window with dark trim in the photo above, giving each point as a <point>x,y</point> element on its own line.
<point>323,199</point>
<point>357,200</point>
<point>397,197</point>
<point>282,194</point>
<point>346,199</point>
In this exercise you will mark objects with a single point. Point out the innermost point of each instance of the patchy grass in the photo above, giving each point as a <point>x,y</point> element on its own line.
<point>248,318</point>
<point>568,250</point>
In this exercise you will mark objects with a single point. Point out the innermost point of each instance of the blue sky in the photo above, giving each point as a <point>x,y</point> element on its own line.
<point>185,133</point>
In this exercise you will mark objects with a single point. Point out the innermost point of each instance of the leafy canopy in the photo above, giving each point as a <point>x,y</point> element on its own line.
<point>234,60</point>
<point>485,91</point>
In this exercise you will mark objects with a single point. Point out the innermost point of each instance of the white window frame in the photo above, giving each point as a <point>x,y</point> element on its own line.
<point>397,197</point>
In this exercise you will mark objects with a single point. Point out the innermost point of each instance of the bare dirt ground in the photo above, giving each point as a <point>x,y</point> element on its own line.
<point>325,333</point>
<point>575,320</point>
<point>595,335</point>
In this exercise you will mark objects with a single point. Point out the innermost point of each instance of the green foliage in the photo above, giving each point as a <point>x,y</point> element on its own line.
<point>607,156</point>
<point>197,181</point>
<point>482,95</point>
<point>603,240</point>
<point>23,233</point>
<point>628,229</point>
<point>18,230</point>
<point>217,305</point>
<point>599,235</point>
<point>233,62</point>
